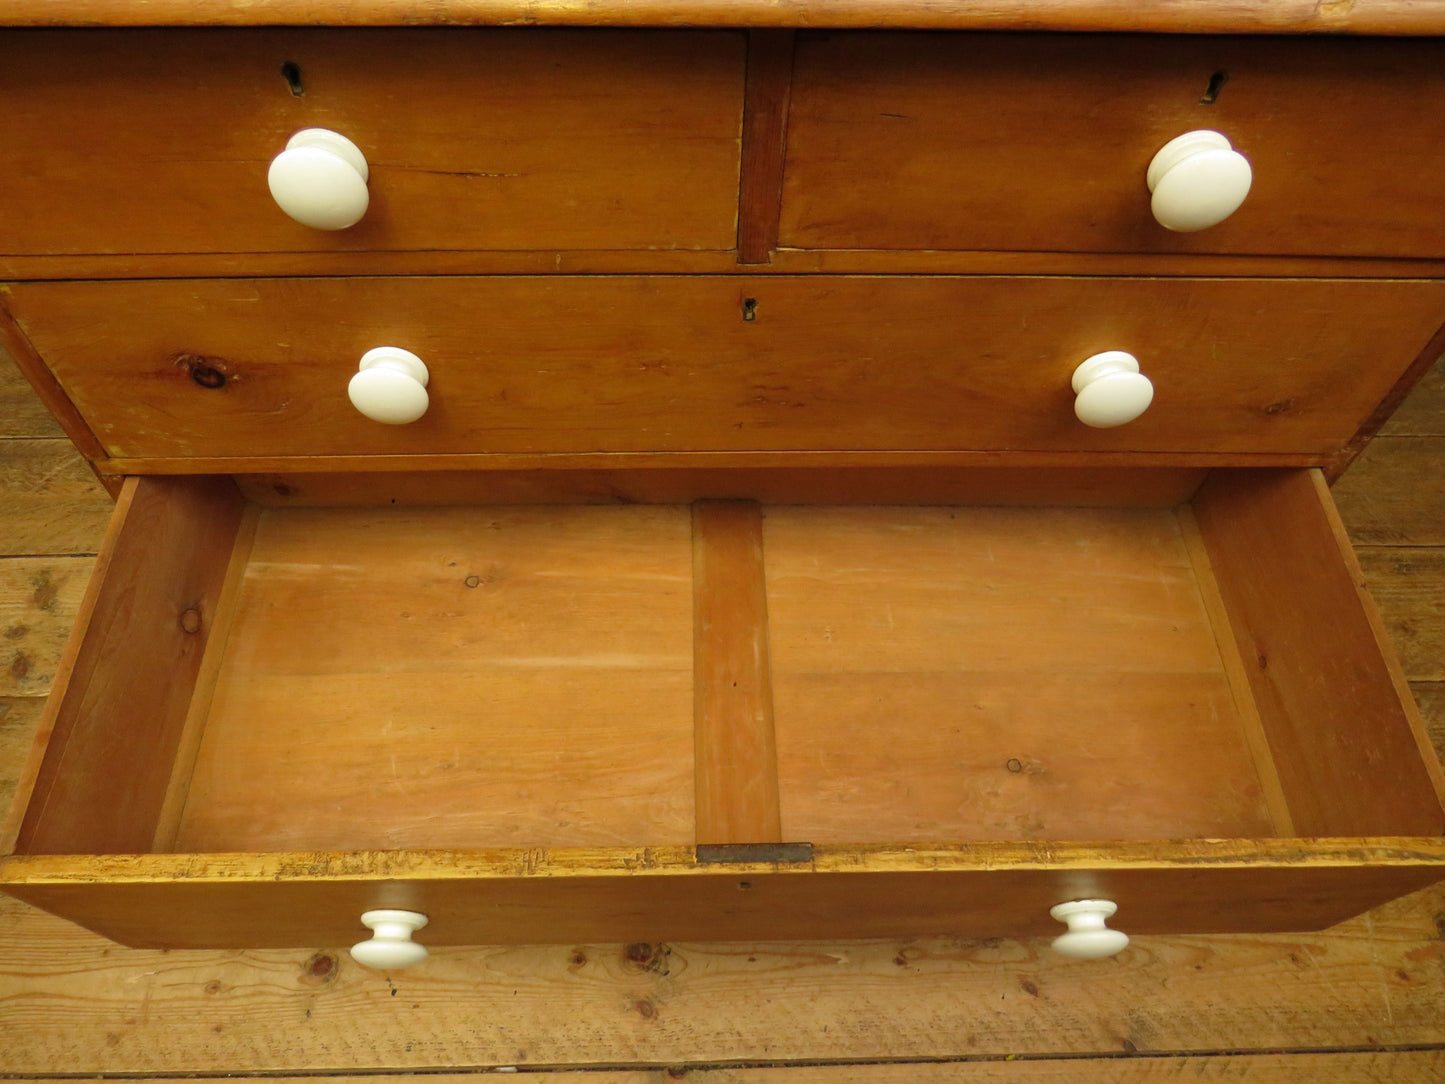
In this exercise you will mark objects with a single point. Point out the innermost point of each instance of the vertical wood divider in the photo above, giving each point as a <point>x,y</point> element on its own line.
<point>768,89</point>
<point>735,748</point>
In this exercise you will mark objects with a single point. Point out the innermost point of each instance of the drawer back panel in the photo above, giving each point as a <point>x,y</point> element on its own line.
<point>160,141</point>
<point>257,367</point>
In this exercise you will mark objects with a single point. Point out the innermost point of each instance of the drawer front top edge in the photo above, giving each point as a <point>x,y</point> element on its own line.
<point>1213,16</point>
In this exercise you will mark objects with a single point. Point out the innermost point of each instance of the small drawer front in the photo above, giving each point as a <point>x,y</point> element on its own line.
<point>261,367</point>
<point>161,141</point>
<point>1042,143</point>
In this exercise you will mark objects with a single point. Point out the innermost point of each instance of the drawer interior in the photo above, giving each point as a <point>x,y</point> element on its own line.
<point>252,678</point>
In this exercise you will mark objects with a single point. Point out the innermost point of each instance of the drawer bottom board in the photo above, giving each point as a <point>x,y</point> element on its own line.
<point>524,677</point>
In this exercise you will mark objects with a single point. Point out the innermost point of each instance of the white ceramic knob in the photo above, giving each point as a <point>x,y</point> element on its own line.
<point>1198,181</point>
<point>1109,390</point>
<point>390,386</point>
<point>1088,937</point>
<point>390,945</point>
<point>320,180</point>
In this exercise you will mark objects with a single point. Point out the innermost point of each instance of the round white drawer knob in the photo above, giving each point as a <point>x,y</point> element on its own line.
<point>1088,937</point>
<point>1109,390</point>
<point>390,945</point>
<point>320,180</point>
<point>1198,181</point>
<point>390,386</point>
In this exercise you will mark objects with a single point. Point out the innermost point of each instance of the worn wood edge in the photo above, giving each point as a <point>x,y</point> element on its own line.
<point>1388,653</point>
<point>179,789</point>
<point>485,461</point>
<point>1380,852</point>
<point>1257,530</point>
<point>51,394</point>
<point>30,774</point>
<point>783,261</point>
<point>766,97</point>
<point>1250,725</point>
<point>734,745</point>
<point>1170,16</point>
<point>1139,487</point>
<point>164,518</point>
<point>1433,351</point>
<point>1277,1065</point>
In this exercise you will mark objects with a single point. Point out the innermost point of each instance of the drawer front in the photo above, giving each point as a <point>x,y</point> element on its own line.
<point>662,894</point>
<point>1041,143</point>
<point>160,141</point>
<point>570,365</point>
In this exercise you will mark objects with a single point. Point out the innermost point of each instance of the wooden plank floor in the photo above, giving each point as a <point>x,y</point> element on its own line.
<point>1362,1001</point>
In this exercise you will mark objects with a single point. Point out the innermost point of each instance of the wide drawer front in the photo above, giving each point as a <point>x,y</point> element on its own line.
<point>937,141</point>
<point>160,141</point>
<point>521,365</point>
<point>665,894</point>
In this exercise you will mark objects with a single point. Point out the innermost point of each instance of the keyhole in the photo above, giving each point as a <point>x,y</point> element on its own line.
<point>1216,83</point>
<point>291,72</point>
<point>750,310</point>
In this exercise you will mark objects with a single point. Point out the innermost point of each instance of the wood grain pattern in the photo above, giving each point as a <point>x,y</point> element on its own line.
<point>21,353</point>
<point>480,139</point>
<point>585,365</point>
<point>960,142</point>
<point>772,463</point>
<point>1136,486</point>
<point>73,1002</point>
<point>198,711</point>
<point>1409,583</point>
<point>39,600</point>
<point>453,677</point>
<point>1422,414</point>
<point>976,674</point>
<point>53,503</point>
<point>1392,494</point>
<point>1180,16</point>
<point>1432,353</point>
<point>1430,696</point>
<point>663,893</point>
<point>1251,727</point>
<point>734,748</point>
<point>785,261</point>
<point>19,721</point>
<point>1338,718</point>
<point>81,1004</point>
<point>1404,1066</point>
<point>765,133</point>
<point>22,414</point>
<point>112,729</point>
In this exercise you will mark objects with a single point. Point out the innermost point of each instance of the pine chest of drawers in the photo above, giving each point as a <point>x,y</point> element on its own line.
<point>743,551</point>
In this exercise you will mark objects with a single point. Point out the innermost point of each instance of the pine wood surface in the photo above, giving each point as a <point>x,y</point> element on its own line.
<point>481,139</point>
<point>622,364</point>
<point>73,1002</point>
<point>1393,1067</point>
<point>894,143</point>
<point>735,748</point>
<point>998,622</point>
<point>499,728</point>
<point>786,261</point>
<point>1181,16</point>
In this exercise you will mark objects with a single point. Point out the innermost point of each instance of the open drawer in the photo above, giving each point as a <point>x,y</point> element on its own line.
<point>722,719</point>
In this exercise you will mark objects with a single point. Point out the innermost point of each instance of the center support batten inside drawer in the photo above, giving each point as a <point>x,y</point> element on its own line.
<point>521,719</point>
